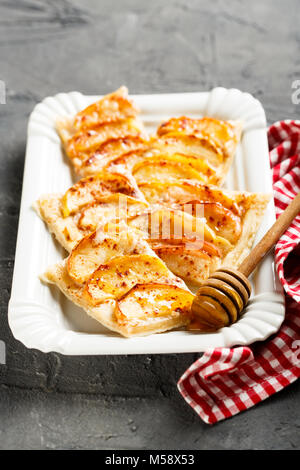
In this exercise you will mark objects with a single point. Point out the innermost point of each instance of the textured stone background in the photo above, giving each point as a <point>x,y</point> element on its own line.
<point>51,401</point>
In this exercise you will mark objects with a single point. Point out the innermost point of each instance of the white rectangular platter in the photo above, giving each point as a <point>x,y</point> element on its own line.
<point>42,318</point>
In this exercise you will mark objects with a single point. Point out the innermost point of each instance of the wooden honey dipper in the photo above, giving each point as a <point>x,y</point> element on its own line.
<point>222,298</point>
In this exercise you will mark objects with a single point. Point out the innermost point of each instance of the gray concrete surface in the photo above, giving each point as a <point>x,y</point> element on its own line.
<point>51,401</point>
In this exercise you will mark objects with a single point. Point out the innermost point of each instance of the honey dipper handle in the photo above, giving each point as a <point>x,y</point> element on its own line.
<point>271,237</point>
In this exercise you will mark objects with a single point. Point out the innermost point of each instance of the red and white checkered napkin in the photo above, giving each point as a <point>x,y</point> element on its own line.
<point>225,381</point>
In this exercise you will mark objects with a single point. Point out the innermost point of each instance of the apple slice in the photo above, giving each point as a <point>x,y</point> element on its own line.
<point>153,301</point>
<point>113,107</point>
<point>116,277</point>
<point>192,126</point>
<point>148,163</point>
<point>89,189</point>
<point>200,147</point>
<point>87,140</point>
<point>194,266</point>
<point>126,162</point>
<point>109,151</point>
<point>165,224</point>
<point>219,132</point>
<point>168,168</point>
<point>101,246</point>
<point>178,193</point>
<point>222,220</point>
<point>195,247</point>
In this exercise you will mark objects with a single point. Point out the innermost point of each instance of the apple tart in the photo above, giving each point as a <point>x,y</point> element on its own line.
<point>116,277</point>
<point>108,134</point>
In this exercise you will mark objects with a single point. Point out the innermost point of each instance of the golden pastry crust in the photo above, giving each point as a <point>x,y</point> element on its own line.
<point>65,230</point>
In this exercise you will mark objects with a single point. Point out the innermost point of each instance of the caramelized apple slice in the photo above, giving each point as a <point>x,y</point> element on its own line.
<point>165,168</point>
<point>101,246</point>
<point>163,224</point>
<point>193,260</point>
<point>113,107</point>
<point>109,151</point>
<point>151,301</point>
<point>191,146</point>
<point>89,139</point>
<point>218,131</point>
<point>174,226</point>
<point>87,190</point>
<point>194,266</point>
<point>191,246</point>
<point>120,274</point>
<point>176,194</point>
<point>222,220</point>
<point>126,162</point>
<point>147,163</point>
